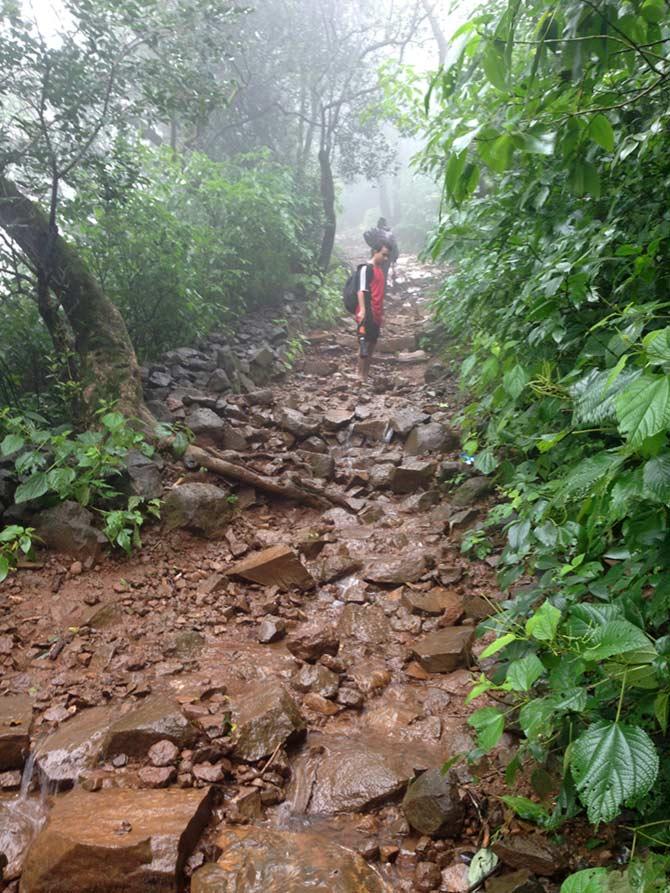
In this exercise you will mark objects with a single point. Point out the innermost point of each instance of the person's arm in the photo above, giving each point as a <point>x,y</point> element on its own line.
<point>362,288</point>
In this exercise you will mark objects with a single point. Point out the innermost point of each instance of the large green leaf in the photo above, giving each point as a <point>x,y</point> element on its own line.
<point>657,345</point>
<point>611,763</point>
<point>10,444</point>
<point>536,718</point>
<point>493,64</point>
<point>544,623</point>
<point>523,673</point>
<point>590,880</point>
<point>514,381</point>
<point>600,130</point>
<point>656,478</point>
<point>489,724</point>
<point>36,486</point>
<point>616,637</point>
<point>643,408</point>
<point>589,471</point>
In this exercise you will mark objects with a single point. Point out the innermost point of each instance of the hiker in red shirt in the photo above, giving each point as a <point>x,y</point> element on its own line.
<point>370,312</point>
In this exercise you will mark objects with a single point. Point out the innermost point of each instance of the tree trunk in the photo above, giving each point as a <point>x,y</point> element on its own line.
<point>328,199</point>
<point>438,33</point>
<point>108,364</point>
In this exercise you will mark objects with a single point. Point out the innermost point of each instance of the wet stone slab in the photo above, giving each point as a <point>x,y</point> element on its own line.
<point>16,712</point>
<point>117,840</point>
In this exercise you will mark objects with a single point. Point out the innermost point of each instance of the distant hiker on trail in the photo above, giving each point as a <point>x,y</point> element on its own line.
<point>384,231</point>
<point>370,310</point>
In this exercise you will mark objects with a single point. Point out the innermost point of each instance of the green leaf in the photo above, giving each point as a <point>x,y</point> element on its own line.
<point>611,763</point>
<point>616,637</point>
<point>59,479</point>
<point>643,408</point>
<point>653,11</point>
<point>494,67</point>
<point>523,673</point>
<point>656,478</point>
<point>657,346</point>
<point>10,444</point>
<point>600,130</point>
<point>536,718</point>
<point>584,179</point>
<point>662,710</point>
<point>518,534</point>
<point>497,645</point>
<point>483,862</point>
<point>4,567</point>
<point>526,809</point>
<point>515,381</point>
<point>454,170</point>
<point>544,623</point>
<point>489,724</point>
<point>590,880</point>
<point>36,485</point>
<point>571,699</point>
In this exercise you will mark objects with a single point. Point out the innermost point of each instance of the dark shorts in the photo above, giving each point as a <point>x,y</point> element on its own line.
<point>372,329</point>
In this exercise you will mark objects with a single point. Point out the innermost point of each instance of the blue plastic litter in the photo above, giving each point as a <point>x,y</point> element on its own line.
<point>469,460</point>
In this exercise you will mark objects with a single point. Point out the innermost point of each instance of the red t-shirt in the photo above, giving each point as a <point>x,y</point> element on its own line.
<point>372,281</point>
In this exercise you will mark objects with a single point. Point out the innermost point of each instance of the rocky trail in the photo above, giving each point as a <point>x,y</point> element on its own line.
<point>267,707</point>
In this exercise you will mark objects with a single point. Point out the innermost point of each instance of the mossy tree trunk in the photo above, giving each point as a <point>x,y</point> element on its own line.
<point>108,365</point>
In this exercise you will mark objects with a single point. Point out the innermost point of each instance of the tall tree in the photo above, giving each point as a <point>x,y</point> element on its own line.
<point>61,100</point>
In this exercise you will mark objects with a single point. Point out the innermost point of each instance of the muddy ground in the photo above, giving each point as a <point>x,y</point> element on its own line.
<point>247,712</point>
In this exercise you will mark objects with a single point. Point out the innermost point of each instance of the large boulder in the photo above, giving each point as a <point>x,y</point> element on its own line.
<point>16,712</point>
<point>444,650</point>
<point>395,569</point>
<point>266,717</point>
<point>471,490</point>
<point>261,860</point>
<point>296,423</point>
<point>431,438</point>
<point>117,839</point>
<point>196,506</point>
<point>403,420</point>
<point>365,623</point>
<point>143,475</point>
<point>73,747</point>
<point>412,475</point>
<point>68,527</point>
<point>276,566</point>
<point>156,719</point>
<point>432,806</point>
<point>20,820</point>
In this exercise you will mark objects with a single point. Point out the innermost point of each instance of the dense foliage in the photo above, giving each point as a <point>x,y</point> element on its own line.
<point>549,125</point>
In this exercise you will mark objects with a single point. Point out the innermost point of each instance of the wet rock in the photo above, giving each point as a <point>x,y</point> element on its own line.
<point>444,650</point>
<point>431,804</point>
<point>318,366</point>
<point>219,382</point>
<point>435,601</point>
<point>276,566</point>
<point>471,490</point>
<point>434,371</point>
<point>420,502</point>
<point>314,445</point>
<point>16,713</point>
<point>158,718</point>
<point>403,420</point>
<point>350,697</point>
<point>312,641</point>
<point>455,878</point>
<point>74,746</point>
<point>272,629</point>
<point>208,773</point>
<point>317,678</point>
<point>296,423</point>
<point>397,569</point>
<point>427,876</point>
<point>322,465</point>
<point>431,438</point>
<point>68,527</point>
<point>381,475</point>
<point>116,839</point>
<point>531,851</point>
<point>412,475</point>
<point>319,704</point>
<point>19,823</point>
<point>521,881</point>
<point>143,475</point>
<point>371,429</point>
<point>354,590</point>
<point>163,753</point>
<point>353,775</point>
<point>366,623</point>
<point>333,565</point>
<point>10,780</point>
<point>260,860</point>
<point>196,506</point>
<point>261,397</point>
<point>335,419</point>
<point>266,717</point>
<point>187,643</point>
<point>205,423</point>
<point>157,776</point>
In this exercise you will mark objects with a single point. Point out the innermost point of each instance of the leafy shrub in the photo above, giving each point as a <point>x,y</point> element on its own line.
<point>549,129</point>
<point>15,541</point>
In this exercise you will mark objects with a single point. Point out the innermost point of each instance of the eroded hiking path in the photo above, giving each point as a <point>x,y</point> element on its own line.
<point>210,700</point>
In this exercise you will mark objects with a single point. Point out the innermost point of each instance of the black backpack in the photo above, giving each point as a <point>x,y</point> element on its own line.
<point>350,290</point>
